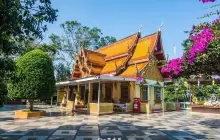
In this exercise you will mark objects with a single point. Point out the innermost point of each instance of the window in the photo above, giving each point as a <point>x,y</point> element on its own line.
<point>124,93</point>
<point>144,93</point>
<point>157,93</point>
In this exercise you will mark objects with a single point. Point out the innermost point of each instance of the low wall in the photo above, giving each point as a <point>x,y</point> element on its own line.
<point>105,108</point>
<point>205,109</point>
<point>129,107</point>
<point>70,105</point>
<point>145,108</point>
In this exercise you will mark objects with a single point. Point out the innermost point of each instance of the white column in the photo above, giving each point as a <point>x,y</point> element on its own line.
<point>68,91</point>
<point>99,99</point>
<point>57,97</point>
<point>163,99</point>
<point>51,101</point>
<point>148,94</point>
<point>85,92</point>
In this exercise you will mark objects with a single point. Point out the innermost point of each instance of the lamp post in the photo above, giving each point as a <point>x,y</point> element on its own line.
<point>177,86</point>
<point>198,78</point>
<point>177,104</point>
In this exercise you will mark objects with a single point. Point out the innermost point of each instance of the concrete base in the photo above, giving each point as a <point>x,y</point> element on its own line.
<point>25,115</point>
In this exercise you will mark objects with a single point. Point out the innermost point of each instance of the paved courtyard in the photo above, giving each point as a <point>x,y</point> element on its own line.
<point>60,125</point>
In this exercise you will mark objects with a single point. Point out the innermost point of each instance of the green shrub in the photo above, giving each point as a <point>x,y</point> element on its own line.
<point>33,77</point>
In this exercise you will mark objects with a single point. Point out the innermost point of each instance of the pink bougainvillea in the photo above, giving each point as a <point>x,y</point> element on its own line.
<point>139,78</point>
<point>204,1</point>
<point>200,42</point>
<point>173,67</point>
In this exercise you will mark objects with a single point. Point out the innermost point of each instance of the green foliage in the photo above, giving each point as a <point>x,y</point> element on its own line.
<point>25,18</point>
<point>216,12</point>
<point>176,92</point>
<point>20,20</point>
<point>3,92</point>
<point>206,90</point>
<point>77,36</point>
<point>104,41</point>
<point>62,72</point>
<point>33,77</point>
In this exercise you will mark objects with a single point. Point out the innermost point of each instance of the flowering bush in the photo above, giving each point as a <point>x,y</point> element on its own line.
<point>202,52</point>
<point>173,67</point>
<point>200,42</point>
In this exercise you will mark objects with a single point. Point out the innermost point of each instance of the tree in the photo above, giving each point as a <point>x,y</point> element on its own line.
<point>77,36</point>
<point>104,41</point>
<point>3,93</point>
<point>61,67</point>
<point>62,72</point>
<point>19,20</point>
<point>33,77</point>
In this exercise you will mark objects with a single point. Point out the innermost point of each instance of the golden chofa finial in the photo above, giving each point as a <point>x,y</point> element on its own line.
<point>140,28</point>
<point>161,26</point>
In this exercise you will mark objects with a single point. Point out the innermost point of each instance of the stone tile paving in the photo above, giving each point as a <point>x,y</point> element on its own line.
<point>61,125</point>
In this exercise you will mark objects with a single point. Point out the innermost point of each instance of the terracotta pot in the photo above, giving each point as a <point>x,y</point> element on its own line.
<point>177,107</point>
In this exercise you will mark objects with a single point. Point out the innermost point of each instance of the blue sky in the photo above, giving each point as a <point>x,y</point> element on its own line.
<point>121,18</point>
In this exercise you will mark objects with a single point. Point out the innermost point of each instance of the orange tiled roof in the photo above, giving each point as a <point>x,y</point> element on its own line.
<point>96,70</point>
<point>118,48</point>
<point>130,72</point>
<point>123,53</point>
<point>110,65</point>
<point>95,58</point>
<point>144,47</point>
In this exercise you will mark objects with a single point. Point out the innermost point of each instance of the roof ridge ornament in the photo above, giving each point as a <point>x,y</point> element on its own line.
<point>137,71</point>
<point>116,67</point>
<point>139,30</point>
<point>160,26</point>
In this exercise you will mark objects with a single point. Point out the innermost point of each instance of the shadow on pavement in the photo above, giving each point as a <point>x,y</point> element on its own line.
<point>211,123</point>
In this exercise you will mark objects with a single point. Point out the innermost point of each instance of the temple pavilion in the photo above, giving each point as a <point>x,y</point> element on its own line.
<point>113,75</point>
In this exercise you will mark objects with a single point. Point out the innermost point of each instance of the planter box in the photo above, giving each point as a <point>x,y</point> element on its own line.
<point>25,115</point>
<point>105,108</point>
<point>170,106</point>
<point>177,107</point>
<point>205,109</point>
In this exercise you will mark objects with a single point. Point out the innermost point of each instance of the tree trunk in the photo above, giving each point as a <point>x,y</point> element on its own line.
<point>31,105</point>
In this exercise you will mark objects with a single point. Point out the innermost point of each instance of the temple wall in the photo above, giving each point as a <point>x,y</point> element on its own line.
<point>152,99</point>
<point>132,91</point>
<point>137,91</point>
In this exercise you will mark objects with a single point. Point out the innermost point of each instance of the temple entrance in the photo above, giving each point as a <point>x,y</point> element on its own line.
<point>84,93</point>
<point>95,90</point>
